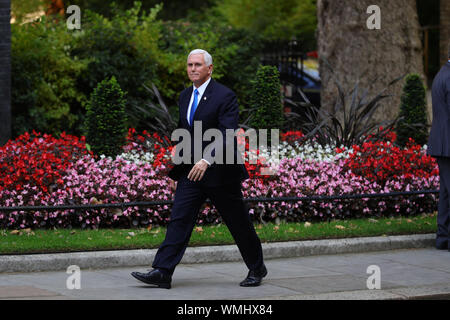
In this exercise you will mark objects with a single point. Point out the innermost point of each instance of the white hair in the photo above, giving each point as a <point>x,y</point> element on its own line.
<point>206,56</point>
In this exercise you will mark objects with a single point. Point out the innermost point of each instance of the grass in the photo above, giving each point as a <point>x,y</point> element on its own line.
<point>64,240</point>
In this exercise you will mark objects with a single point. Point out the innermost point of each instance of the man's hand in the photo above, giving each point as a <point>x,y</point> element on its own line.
<point>198,171</point>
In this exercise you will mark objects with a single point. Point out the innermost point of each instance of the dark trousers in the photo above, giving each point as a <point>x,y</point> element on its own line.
<point>228,200</point>
<point>443,217</point>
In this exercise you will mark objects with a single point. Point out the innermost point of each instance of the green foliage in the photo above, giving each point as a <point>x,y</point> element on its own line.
<point>235,56</point>
<point>241,66</point>
<point>274,19</point>
<point>266,100</point>
<point>413,112</point>
<point>55,69</point>
<point>20,9</point>
<point>124,46</point>
<point>44,95</point>
<point>164,121</point>
<point>349,122</point>
<point>106,128</point>
<point>172,10</point>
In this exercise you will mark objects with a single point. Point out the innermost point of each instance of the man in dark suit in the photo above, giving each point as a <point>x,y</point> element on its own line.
<point>439,147</point>
<point>213,106</point>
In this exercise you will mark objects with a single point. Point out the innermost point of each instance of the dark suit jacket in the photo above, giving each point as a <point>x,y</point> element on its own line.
<point>439,139</point>
<point>218,108</point>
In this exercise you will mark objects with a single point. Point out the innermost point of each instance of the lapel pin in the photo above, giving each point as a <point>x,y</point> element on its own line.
<point>204,98</point>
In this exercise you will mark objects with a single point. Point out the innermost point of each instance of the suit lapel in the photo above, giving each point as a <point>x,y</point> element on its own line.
<point>184,107</point>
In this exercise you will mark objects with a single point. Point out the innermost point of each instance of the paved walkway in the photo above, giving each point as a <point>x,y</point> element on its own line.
<point>404,274</point>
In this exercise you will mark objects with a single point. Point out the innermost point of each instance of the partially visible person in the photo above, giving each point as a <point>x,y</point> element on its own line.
<point>214,106</point>
<point>439,147</point>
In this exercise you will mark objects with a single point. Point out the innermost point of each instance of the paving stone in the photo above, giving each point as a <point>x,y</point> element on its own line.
<point>7,292</point>
<point>405,274</point>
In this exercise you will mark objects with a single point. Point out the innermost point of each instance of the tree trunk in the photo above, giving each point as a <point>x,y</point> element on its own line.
<point>372,57</point>
<point>444,32</point>
<point>5,72</point>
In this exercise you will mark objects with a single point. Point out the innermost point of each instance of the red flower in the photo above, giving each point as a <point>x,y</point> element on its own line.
<point>388,161</point>
<point>38,160</point>
<point>291,136</point>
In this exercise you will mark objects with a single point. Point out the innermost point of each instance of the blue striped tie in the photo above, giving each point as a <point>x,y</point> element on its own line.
<point>193,107</point>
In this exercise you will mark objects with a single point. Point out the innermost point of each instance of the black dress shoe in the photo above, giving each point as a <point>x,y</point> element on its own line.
<point>442,246</point>
<point>254,277</point>
<point>155,277</point>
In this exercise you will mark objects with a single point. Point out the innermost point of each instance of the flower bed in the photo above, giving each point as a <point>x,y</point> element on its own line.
<point>49,171</point>
<point>38,160</point>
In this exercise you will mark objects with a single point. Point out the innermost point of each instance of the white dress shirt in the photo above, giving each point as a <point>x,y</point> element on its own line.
<point>200,90</point>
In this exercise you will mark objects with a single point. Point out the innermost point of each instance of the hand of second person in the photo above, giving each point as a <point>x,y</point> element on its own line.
<point>198,171</point>
<point>173,185</point>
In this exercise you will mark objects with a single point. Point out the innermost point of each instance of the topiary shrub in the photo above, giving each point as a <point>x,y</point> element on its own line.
<point>105,124</point>
<point>413,112</point>
<point>265,99</point>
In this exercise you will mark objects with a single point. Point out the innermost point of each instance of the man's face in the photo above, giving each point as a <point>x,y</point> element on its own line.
<point>197,70</point>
